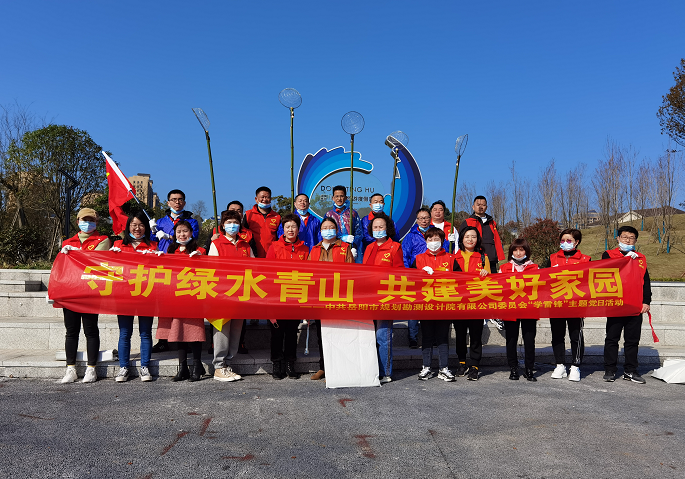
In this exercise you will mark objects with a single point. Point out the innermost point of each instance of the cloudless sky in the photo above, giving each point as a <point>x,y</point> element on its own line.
<point>528,81</point>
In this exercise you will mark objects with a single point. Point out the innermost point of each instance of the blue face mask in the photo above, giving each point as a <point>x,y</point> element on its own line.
<point>422,229</point>
<point>567,246</point>
<point>379,234</point>
<point>176,212</point>
<point>377,207</point>
<point>345,205</point>
<point>136,237</point>
<point>87,226</point>
<point>183,242</point>
<point>626,247</point>
<point>302,212</point>
<point>231,228</point>
<point>328,234</point>
<point>264,206</point>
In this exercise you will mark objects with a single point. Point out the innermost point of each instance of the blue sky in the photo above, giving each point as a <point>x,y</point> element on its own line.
<point>528,81</point>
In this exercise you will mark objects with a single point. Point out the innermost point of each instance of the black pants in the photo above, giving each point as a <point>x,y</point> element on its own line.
<point>475,328</point>
<point>194,347</point>
<point>528,329</point>
<point>575,332</point>
<point>242,333</point>
<point>284,340</point>
<point>632,328</point>
<point>72,322</point>
<point>316,326</point>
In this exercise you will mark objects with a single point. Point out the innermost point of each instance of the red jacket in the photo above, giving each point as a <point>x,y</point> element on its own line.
<point>509,268</point>
<point>336,251</point>
<point>263,229</point>
<point>560,258</point>
<point>141,246</point>
<point>441,261</point>
<point>241,249</point>
<point>283,250</point>
<point>493,226</point>
<point>388,254</point>
<point>89,244</point>
<point>475,261</point>
<point>244,234</point>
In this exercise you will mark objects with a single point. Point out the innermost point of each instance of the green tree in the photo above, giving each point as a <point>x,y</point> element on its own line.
<point>671,114</point>
<point>281,204</point>
<point>543,238</point>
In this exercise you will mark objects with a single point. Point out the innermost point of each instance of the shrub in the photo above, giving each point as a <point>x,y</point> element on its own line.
<point>543,237</point>
<point>22,245</point>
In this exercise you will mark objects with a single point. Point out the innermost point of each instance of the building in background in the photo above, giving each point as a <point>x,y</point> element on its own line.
<point>143,185</point>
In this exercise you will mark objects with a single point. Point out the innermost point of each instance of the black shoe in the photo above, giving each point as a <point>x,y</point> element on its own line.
<point>461,369</point>
<point>413,344</point>
<point>198,371</point>
<point>472,374</point>
<point>514,376</point>
<point>183,372</point>
<point>290,370</point>
<point>242,349</point>
<point>277,373</point>
<point>609,376</point>
<point>528,374</point>
<point>634,377</point>
<point>161,346</point>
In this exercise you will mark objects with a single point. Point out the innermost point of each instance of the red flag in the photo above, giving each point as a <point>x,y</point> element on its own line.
<point>120,191</point>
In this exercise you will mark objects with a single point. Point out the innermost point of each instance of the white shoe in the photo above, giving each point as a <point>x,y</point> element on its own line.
<point>122,377</point>
<point>425,374</point>
<point>385,379</point>
<point>70,376</point>
<point>574,374</point>
<point>559,372</point>
<point>226,374</point>
<point>145,374</point>
<point>91,376</point>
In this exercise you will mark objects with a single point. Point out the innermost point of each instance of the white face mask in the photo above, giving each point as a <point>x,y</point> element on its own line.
<point>433,245</point>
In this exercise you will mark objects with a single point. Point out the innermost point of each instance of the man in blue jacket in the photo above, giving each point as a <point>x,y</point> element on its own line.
<point>377,203</point>
<point>310,226</point>
<point>348,221</point>
<point>413,245</point>
<point>163,229</point>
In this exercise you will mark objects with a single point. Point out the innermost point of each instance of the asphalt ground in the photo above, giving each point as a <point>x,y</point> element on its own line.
<point>260,427</point>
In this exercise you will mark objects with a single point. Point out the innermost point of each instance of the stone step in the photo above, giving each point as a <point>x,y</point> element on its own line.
<point>42,275</point>
<point>33,364</point>
<point>19,286</point>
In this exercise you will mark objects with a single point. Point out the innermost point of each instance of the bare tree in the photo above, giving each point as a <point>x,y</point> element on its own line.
<point>548,188</point>
<point>497,202</point>
<point>571,191</point>
<point>523,197</point>
<point>608,183</point>
<point>465,197</point>
<point>643,186</point>
<point>199,208</point>
<point>668,175</point>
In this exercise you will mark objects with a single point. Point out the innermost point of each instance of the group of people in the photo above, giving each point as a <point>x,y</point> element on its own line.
<point>343,237</point>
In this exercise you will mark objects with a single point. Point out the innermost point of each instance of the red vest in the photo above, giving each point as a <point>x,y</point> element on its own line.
<point>89,244</point>
<point>263,229</point>
<point>241,249</point>
<point>447,227</point>
<point>616,253</point>
<point>475,261</point>
<point>178,251</point>
<point>509,268</point>
<point>141,246</point>
<point>560,258</point>
<point>282,250</point>
<point>338,253</point>
<point>493,226</point>
<point>385,255</point>
<point>244,234</point>
<point>443,261</point>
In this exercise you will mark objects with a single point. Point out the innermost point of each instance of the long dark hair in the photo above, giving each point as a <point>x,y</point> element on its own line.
<point>190,246</point>
<point>140,214</point>
<point>479,246</point>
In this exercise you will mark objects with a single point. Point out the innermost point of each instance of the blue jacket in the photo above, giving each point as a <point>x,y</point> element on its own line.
<point>166,224</point>
<point>310,234</point>
<point>367,238</point>
<point>414,244</point>
<point>343,220</point>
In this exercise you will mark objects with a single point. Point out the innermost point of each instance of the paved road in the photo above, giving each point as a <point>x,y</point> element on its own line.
<point>263,428</point>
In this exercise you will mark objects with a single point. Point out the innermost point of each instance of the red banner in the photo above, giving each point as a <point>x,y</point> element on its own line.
<point>213,287</point>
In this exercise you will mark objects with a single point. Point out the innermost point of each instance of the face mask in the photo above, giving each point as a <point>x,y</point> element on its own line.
<point>626,247</point>
<point>328,234</point>
<point>377,207</point>
<point>176,212</point>
<point>567,246</point>
<point>183,242</point>
<point>231,228</point>
<point>519,261</point>
<point>422,229</point>
<point>87,226</point>
<point>264,206</point>
<point>345,205</point>
<point>433,245</point>
<point>379,234</point>
<point>302,212</point>
<point>136,237</point>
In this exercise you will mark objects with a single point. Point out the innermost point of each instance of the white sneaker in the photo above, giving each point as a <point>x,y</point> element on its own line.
<point>91,376</point>
<point>425,374</point>
<point>122,376</point>
<point>559,372</point>
<point>145,374</point>
<point>574,374</point>
<point>446,375</point>
<point>70,376</point>
<point>385,379</point>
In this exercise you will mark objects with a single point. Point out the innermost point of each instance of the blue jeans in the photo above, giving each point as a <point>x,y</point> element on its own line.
<point>125,332</point>
<point>384,346</point>
<point>413,325</point>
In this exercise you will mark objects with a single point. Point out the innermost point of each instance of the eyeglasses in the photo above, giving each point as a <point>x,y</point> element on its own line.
<point>627,238</point>
<point>568,241</point>
<point>176,200</point>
